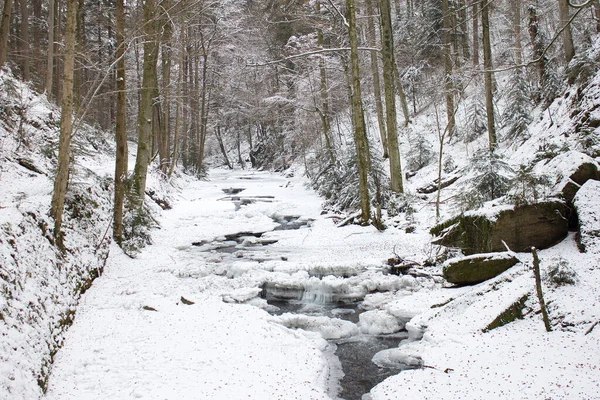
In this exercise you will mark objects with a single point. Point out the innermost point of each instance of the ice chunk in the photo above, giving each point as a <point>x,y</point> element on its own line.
<point>329,328</point>
<point>379,322</point>
<point>395,358</point>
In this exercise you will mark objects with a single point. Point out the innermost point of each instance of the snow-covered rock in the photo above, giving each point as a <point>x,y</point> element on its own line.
<point>587,204</point>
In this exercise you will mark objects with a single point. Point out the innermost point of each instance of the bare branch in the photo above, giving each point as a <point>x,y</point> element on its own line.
<point>310,53</point>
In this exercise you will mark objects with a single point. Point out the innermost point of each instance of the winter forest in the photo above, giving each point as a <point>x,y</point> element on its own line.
<point>300,199</point>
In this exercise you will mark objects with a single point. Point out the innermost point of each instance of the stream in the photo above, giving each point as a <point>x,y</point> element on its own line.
<point>354,353</point>
<point>312,298</point>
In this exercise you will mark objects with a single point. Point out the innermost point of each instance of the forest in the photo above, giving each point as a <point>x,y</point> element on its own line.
<point>465,133</point>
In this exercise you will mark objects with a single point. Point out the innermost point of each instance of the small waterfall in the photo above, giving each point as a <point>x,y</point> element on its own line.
<point>318,293</point>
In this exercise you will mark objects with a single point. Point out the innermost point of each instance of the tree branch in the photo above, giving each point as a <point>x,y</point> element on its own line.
<point>310,53</point>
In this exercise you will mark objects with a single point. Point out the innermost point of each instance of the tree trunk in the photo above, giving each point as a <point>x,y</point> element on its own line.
<point>489,84</point>
<point>203,108</point>
<point>475,17</point>
<point>516,8</point>
<point>25,59</point>
<point>179,100</point>
<point>358,118</point>
<point>165,133</point>
<point>538,289</point>
<point>144,152</point>
<point>324,112</point>
<point>6,11</point>
<point>66,125</point>
<point>448,82</point>
<point>464,37</point>
<point>120,126</point>
<point>50,53</point>
<point>567,36</point>
<point>387,49</point>
<point>222,147</point>
<point>538,45</point>
<point>80,32</point>
<point>375,72</point>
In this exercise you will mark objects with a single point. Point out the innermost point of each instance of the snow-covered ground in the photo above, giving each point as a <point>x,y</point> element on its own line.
<point>134,336</point>
<point>120,348</point>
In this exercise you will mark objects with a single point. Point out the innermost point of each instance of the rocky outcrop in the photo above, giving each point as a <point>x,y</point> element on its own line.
<point>540,225</point>
<point>571,170</point>
<point>512,313</point>
<point>587,202</point>
<point>478,267</point>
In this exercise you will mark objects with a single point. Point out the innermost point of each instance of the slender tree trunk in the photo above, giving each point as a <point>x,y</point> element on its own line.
<point>358,118</point>
<point>448,78</point>
<point>222,147</point>
<point>80,32</point>
<point>165,138</point>
<point>144,152</point>
<point>538,289</point>
<point>323,92</point>
<point>462,25</point>
<point>391,118</point>
<point>25,59</point>
<point>66,125</point>
<point>538,46</point>
<point>50,53</point>
<point>489,84</point>
<point>58,68</point>
<point>6,12</point>
<point>120,127</point>
<point>375,72</point>
<point>203,108</point>
<point>475,18</point>
<point>567,36</point>
<point>516,8</point>
<point>179,102</point>
<point>401,94</point>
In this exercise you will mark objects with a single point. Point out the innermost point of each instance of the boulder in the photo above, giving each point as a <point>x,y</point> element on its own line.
<point>586,203</point>
<point>540,225</point>
<point>571,169</point>
<point>478,267</point>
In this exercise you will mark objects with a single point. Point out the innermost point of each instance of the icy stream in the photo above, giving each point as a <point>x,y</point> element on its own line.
<point>354,352</point>
<point>319,298</point>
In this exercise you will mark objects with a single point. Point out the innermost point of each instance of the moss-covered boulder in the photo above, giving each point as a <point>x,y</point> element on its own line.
<point>478,267</point>
<point>540,225</point>
<point>586,204</point>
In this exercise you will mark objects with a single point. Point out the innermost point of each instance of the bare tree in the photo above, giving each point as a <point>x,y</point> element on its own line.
<point>66,125</point>
<point>387,50</point>
<point>358,117</point>
<point>375,72</point>
<point>148,90</point>
<point>121,126</point>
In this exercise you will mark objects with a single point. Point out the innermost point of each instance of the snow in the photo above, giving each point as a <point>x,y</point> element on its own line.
<point>182,321</point>
<point>224,345</point>
<point>586,202</point>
